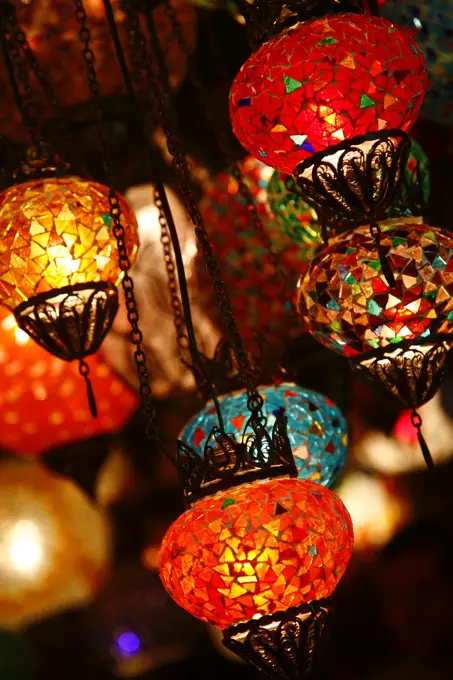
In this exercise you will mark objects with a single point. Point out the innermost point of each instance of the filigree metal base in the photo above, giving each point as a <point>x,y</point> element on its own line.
<point>410,371</point>
<point>356,180</point>
<point>227,462</point>
<point>286,645</point>
<point>71,323</point>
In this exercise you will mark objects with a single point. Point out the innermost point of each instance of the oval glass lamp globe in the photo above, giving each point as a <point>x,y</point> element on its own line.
<point>257,549</point>
<point>323,82</point>
<point>317,430</point>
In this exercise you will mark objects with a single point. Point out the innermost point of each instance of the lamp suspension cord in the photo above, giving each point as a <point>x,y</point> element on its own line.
<point>138,47</point>
<point>136,335</point>
<point>165,212</point>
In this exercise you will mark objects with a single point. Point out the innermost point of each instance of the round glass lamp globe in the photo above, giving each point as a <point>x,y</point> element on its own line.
<point>317,430</point>
<point>323,82</point>
<point>58,232</point>
<point>257,549</point>
<point>347,304</point>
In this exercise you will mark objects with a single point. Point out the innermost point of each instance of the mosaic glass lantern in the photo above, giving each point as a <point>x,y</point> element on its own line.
<point>251,559</point>
<point>260,297</point>
<point>431,25</point>
<point>397,336</point>
<point>299,220</point>
<point>43,402</point>
<point>323,82</point>
<point>316,428</point>
<point>59,262</point>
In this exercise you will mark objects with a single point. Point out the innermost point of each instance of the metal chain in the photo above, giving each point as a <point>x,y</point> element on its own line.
<point>138,46</point>
<point>63,136</point>
<point>19,76</point>
<point>224,143</point>
<point>175,301</point>
<point>136,335</point>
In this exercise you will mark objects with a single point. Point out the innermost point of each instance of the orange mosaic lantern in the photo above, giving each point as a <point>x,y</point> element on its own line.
<point>261,561</point>
<point>258,549</point>
<point>42,401</point>
<point>59,263</point>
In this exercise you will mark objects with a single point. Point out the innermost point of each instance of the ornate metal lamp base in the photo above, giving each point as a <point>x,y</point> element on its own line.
<point>357,179</point>
<point>411,372</point>
<point>71,322</point>
<point>285,645</point>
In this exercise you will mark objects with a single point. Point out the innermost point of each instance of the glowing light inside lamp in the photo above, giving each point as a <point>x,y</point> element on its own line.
<point>128,643</point>
<point>25,548</point>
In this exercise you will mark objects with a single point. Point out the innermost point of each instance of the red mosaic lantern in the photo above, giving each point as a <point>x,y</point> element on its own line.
<point>257,550</point>
<point>323,82</point>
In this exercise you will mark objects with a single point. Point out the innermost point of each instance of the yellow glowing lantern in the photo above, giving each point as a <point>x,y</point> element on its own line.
<point>57,232</point>
<point>54,544</point>
<point>59,263</point>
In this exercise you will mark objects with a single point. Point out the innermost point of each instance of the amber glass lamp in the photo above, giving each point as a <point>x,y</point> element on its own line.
<point>59,262</point>
<point>258,554</point>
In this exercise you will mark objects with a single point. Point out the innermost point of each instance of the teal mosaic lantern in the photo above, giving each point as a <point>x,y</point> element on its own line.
<point>317,430</point>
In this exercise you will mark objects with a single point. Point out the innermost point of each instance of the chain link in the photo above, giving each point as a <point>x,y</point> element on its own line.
<point>136,335</point>
<point>223,139</point>
<point>13,41</point>
<point>138,47</point>
<point>175,301</point>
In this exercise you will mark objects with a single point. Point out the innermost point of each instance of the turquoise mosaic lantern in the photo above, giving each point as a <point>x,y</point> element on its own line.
<point>317,430</point>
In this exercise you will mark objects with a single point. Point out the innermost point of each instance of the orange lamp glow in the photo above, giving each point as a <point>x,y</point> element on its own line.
<point>43,401</point>
<point>58,232</point>
<point>257,549</point>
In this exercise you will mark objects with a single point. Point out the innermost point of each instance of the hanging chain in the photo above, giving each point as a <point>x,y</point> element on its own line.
<point>138,47</point>
<point>175,301</point>
<point>136,335</point>
<point>224,143</point>
<point>12,43</point>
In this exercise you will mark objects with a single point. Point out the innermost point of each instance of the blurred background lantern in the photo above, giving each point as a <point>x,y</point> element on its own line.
<point>260,296</point>
<point>256,549</point>
<point>43,401</point>
<point>397,452</point>
<point>317,430</point>
<point>378,508</point>
<point>431,25</point>
<point>54,544</point>
<point>323,82</point>
<point>52,30</point>
<point>168,375</point>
